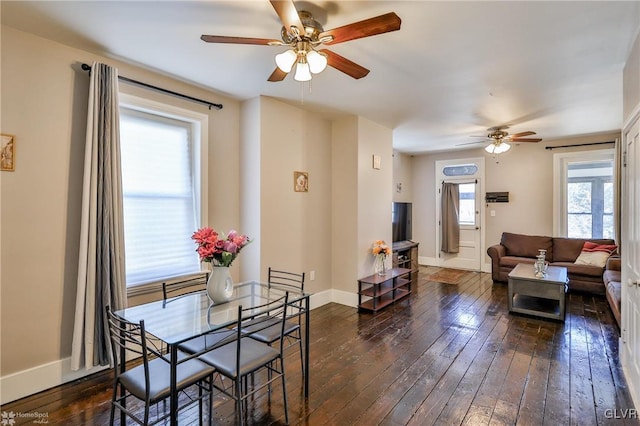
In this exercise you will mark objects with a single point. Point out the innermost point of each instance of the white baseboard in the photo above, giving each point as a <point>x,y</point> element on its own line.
<point>428,261</point>
<point>27,382</point>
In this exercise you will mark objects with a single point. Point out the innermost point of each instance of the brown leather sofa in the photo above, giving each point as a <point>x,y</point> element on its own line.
<point>519,248</point>
<point>612,280</point>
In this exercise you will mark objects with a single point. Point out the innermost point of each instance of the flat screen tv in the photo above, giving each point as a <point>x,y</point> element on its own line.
<point>401,221</point>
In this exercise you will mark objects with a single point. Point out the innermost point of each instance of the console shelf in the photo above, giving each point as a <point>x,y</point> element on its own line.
<point>377,291</point>
<point>405,255</point>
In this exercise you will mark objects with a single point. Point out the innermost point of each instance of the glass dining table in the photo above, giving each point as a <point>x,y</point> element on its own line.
<point>179,319</point>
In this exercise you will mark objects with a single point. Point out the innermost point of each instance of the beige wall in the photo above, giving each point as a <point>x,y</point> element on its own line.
<point>402,172</point>
<point>344,212</point>
<point>44,101</point>
<point>631,81</point>
<point>295,227</point>
<point>361,198</point>
<point>525,171</point>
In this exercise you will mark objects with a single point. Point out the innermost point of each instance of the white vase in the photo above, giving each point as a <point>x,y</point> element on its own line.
<point>220,284</point>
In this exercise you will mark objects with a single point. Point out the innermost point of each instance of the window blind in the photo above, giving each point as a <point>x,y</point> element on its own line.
<point>159,196</point>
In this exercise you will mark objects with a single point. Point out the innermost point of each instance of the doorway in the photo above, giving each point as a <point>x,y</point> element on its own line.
<point>468,174</point>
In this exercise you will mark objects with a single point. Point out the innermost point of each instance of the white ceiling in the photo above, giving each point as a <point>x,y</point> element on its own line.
<point>453,70</point>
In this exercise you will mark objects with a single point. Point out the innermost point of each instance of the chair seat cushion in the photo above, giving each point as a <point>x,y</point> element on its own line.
<point>253,355</point>
<point>263,332</point>
<point>206,342</point>
<point>187,373</point>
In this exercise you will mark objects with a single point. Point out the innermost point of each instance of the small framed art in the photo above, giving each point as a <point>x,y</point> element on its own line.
<point>7,153</point>
<point>301,181</point>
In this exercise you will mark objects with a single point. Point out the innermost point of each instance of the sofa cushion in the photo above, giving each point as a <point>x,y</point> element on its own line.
<point>587,272</point>
<point>595,254</point>
<point>568,249</point>
<point>527,245</point>
<point>611,276</point>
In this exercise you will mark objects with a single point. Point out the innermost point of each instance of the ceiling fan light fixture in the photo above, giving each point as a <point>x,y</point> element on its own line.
<point>285,60</point>
<point>317,61</point>
<point>497,148</point>
<point>302,71</point>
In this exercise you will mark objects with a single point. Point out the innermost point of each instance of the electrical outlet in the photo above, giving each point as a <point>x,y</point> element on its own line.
<point>312,275</point>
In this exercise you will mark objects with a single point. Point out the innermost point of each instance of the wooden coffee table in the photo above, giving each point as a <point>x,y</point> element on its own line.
<point>541,297</point>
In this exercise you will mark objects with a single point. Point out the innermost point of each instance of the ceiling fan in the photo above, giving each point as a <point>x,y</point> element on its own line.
<point>499,138</point>
<point>303,35</point>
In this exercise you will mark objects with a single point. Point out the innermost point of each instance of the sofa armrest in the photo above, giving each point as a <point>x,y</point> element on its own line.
<point>613,263</point>
<point>495,252</point>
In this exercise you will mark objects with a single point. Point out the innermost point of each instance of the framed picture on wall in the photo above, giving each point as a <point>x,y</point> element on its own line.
<point>7,153</point>
<point>301,181</point>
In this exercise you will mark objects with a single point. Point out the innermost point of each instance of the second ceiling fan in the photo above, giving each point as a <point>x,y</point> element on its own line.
<point>498,138</point>
<point>304,35</point>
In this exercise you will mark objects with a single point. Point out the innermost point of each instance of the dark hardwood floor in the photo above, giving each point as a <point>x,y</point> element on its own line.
<point>449,354</point>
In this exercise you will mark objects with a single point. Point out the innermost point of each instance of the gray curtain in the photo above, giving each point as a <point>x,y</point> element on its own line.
<point>101,273</point>
<point>450,225</point>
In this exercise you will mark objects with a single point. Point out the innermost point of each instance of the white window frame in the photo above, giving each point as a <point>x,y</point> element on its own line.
<point>200,123</point>
<point>560,165</point>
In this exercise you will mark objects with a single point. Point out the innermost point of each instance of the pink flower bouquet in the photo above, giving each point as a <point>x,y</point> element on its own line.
<point>218,249</point>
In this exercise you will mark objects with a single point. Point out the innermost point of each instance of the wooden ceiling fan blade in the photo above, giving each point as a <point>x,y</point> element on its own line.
<point>277,75</point>
<point>288,14</point>
<point>369,27</point>
<point>524,140</point>
<point>345,65</point>
<point>239,40</point>
<point>528,133</point>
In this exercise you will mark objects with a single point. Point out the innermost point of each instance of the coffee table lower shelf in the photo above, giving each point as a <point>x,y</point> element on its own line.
<point>537,306</point>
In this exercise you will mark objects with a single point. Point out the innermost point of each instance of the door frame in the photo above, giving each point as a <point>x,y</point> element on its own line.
<point>480,177</point>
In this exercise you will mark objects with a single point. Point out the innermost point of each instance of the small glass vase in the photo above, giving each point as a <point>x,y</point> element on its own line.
<point>220,284</point>
<point>379,265</point>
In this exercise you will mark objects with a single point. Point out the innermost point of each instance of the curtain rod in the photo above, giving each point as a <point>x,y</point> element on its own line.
<point>580,144</point>
<point>87,67</point>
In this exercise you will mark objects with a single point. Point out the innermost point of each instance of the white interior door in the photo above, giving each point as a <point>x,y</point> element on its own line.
<point>468,174</point>
<point>631,259</point>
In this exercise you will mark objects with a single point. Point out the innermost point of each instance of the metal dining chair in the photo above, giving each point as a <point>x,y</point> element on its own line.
<point>245,356</point>
<point>171,289</point>
<point>150,381</point>
<point>293,328</point>
<point>202,343</point>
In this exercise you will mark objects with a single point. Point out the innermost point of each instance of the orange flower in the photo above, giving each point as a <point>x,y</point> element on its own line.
<point>380,248</point>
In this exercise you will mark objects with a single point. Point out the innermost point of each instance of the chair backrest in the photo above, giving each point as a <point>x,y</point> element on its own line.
<point>286,279</point>
<point>130,338</point>
<point>260,318</point>
<point>184,287</point>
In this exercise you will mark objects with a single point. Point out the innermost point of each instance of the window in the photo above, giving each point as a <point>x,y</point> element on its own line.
<point>467,214</point>
<point>161,182</point>
<point>462,170</point>
<point>587,194</point>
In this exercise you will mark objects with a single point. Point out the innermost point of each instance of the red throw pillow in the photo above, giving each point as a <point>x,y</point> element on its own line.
<point>595,254</point>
